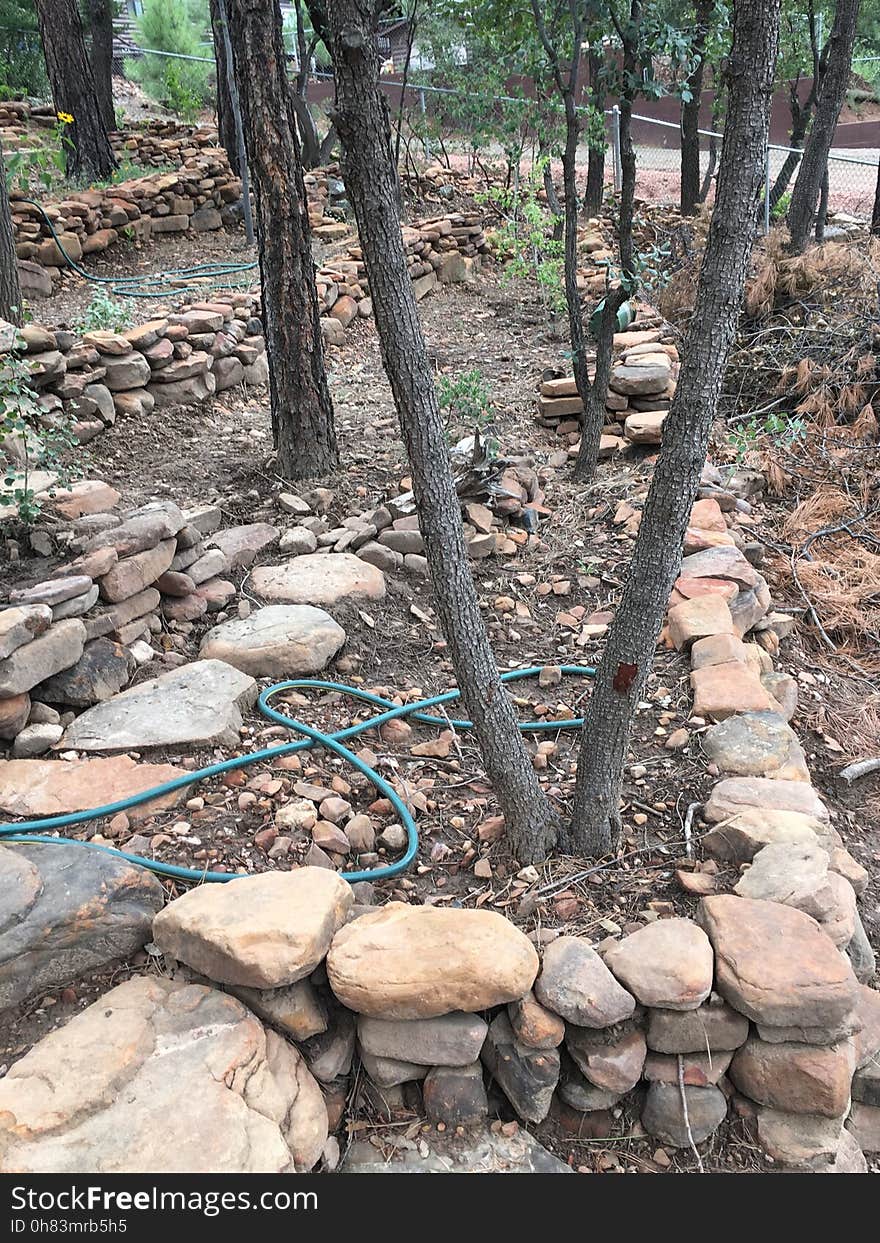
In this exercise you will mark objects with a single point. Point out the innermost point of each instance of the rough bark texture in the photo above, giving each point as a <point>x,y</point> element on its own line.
<point>10,294</point>
<point>629,653</point>
<point>627,150</point>
<point>89,155</point>
<point>101,31</point>
<point>690,113</point>
<point>802,211</point>
<point>595,189</point>
<point>801,110</point>
<point>302,413</point>
<point>225,113</point>
<point>371,182</point>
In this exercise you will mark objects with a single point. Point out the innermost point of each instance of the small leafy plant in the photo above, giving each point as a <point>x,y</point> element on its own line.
<point>783,428</point>
<point>45,163</point>
<point>28,437</point>
<point>524,240</point>
<point>465,399</point>
<point>103,314</point>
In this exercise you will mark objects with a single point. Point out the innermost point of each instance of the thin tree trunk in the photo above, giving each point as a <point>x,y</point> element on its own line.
<point>875,214</point>
<point>802,211</point>
<point>595,189</point>
<point>823,207</point>
<point>225,113</point>
<point>801,113</point>
<point>629,653</point>
<point>101,27</point>
<point>717,115</point>
<point>371,181</point>
<point>627,150</point>
<point>10,293</point>
<point>89,154</point>
<point>302,413</point>
<point>690,113</point>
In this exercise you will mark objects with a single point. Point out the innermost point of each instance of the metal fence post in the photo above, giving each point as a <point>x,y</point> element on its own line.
<point>615,146</point>
<point>424,109</point>
<point>767,191</point>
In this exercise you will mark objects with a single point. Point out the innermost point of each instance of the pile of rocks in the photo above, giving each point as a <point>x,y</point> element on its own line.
<point>640,392</point>
<point>89,221</point>
<point>439,250</point>
<point>451,1011</point>
<point>74,639</point>
<point>96,377</point>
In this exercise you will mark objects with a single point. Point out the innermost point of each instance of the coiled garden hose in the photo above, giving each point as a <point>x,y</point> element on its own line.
<point>35,830</point>
<point>155,284</point>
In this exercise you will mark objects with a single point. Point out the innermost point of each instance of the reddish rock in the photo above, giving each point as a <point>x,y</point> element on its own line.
<point>533,1024</point>
<point>697,618</point>
<point>776,965</point>
<point>699,1070</point>
<point>796,1078</point>
<point>611,1063</point>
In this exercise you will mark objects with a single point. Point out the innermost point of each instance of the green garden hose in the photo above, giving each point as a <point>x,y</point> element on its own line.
<point>155,284</point>
<point>35,830</point>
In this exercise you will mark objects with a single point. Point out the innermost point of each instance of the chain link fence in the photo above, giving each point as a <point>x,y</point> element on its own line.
<point>852,174</point>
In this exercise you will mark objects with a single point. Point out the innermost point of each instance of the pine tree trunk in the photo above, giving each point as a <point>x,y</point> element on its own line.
<point>629,653</point>
<point>225,114</point>
<point>302,413</point>
<point>101,29</point>
<point>371,182</point>
<point>804,197</point>
<point>595,188</point>
<point>690,114</point>
<point>89,154</point>
<point>10,294</point>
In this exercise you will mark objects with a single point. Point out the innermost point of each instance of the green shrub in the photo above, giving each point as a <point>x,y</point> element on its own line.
<point>103,314</point>
<point>183,86</point>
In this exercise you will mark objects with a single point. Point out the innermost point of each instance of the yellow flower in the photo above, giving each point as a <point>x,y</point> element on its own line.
<point>65,117</point>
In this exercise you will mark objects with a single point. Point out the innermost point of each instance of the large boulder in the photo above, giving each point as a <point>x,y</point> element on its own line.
<point>279,641</point>
<point>775,965</point>
<point>196,705</point>
<point>263,931</point>
<point>321,578</point>
<point>416,962</point>
<point>32,788</point>
<point>65,911</point>
<point>159,1077</point>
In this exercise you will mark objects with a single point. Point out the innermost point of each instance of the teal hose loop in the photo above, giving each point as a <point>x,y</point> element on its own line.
<point>35,830</point>
<point>156,284</point>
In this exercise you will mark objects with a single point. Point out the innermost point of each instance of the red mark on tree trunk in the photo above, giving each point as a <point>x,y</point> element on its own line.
<point>624,678</point>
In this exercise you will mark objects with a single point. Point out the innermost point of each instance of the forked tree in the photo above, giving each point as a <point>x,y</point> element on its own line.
<point>595,826</point>
<point>302,412</point>
<point>89,154</point>
<point>226,127</point>
<point>832,92</point>
<point>362,120</point>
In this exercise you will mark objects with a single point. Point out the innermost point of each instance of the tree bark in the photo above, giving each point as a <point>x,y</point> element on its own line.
<point>10,293</point>
<point>225,112</point>
<point>629,653</point>
<point>302,413</point>
<point>801,112</point>
<point>101,28</point>
<point>627,150</point>
<point>690,113</point>
<point>362,120</point>
<point>89,154</point>
<point>875,214</point>
<point>595,188</point>
<point>802,210</point>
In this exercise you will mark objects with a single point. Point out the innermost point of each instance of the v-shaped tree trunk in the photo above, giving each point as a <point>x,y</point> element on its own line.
<point>371,183</point>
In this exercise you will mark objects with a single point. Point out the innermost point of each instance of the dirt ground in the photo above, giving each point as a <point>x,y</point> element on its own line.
<point>222,453</point>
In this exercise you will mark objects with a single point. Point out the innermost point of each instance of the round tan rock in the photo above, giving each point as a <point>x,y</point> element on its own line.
<point>322,578</point>
<point>262,931</point>
<point>575,983</point>
<point>669,964</point>
<point>416,962</point>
